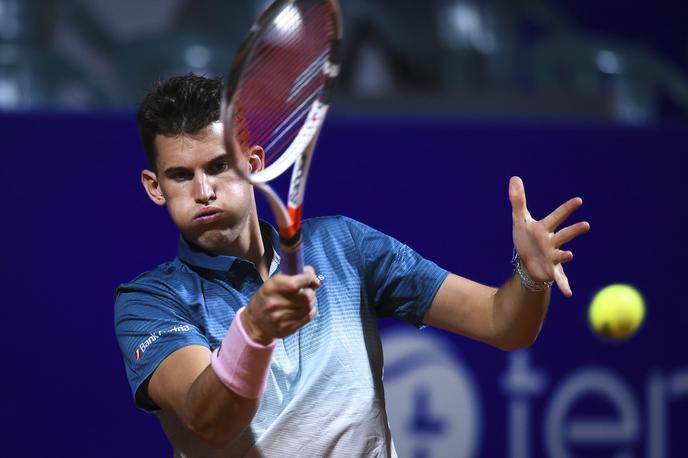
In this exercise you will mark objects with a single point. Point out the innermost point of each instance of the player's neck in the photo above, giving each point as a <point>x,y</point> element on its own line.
<point>245,241</point>
<point>255,249</point>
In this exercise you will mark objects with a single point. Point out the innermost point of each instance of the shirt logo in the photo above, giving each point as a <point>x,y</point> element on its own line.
<point>143,346</point>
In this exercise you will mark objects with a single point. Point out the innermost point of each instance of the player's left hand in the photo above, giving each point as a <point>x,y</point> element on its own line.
<point>538,243</point>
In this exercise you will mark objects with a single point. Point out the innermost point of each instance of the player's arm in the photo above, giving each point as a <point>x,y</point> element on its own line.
<point>508,317</point>
<point>186,385</point>
<point>511,316</point>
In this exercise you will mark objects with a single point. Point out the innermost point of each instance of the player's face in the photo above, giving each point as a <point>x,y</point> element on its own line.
<point>207,200</point>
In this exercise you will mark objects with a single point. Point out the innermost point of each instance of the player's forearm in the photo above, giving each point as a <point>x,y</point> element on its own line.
<point>214,413</point>
<point>223,399</point>
<point>518,314</point>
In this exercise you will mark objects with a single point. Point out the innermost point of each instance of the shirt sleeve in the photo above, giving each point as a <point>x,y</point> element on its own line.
<point>150,325</point>
<point>400,281</point>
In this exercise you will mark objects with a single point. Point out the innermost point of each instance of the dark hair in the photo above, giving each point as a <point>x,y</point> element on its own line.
<point>178,105</point>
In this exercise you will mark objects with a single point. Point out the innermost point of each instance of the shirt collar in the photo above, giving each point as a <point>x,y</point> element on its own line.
<point>195,256</point>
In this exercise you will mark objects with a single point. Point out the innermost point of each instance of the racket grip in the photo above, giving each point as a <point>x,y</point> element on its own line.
<point>291,262</point>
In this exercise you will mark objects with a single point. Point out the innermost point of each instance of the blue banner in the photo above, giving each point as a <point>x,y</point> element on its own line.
<point>76,223</point>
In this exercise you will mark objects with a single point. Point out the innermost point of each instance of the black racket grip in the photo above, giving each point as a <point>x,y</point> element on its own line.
<point>291,262</point>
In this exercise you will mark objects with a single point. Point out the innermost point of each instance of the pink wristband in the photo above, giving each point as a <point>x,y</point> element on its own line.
<point>240,363</point>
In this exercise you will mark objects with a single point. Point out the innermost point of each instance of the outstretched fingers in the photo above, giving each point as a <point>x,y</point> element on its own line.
<point>570,232</point>
<point>562,256</point>
<point>562,281</point>
<point>517,197</point>
<point>558,216</point>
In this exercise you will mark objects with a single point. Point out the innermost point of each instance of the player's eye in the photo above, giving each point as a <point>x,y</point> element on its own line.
<point>218,167</point>
<point>181,176</point>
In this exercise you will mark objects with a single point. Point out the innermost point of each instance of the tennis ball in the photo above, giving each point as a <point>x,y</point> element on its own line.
<point>616,311</point>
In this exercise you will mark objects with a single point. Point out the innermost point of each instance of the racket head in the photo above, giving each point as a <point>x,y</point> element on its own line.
<point>279,85</point>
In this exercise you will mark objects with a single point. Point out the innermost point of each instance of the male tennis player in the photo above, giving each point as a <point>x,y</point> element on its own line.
<point>232,355</point>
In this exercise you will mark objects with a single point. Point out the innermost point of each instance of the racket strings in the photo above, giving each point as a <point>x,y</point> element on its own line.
<point>299,112</point>
<point>284,95</point>
<point>295,114</point>
<point>273,34</point>
<point>283,79</point>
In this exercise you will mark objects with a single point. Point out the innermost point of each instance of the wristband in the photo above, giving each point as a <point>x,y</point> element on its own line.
<point>241,364</point>
<point>527,282</point>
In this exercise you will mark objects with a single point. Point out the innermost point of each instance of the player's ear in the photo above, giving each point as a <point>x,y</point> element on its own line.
<point>150,183</point>
<point>256,159</point>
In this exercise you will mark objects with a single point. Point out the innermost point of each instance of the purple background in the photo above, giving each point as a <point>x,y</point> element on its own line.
<point>76,223</point>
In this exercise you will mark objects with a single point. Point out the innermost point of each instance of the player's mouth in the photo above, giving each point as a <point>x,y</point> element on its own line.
<point>207,215</point>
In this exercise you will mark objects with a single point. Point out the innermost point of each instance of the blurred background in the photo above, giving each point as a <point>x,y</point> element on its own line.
<point>439,103</point>
<point>602,60</point>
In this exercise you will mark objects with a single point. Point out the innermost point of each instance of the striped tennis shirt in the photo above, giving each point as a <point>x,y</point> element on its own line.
<point>324,395</point>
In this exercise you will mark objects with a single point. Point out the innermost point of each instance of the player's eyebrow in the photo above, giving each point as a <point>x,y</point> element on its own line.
<point>170,172</point>
<point>222,157</point>
<point>174,170</point>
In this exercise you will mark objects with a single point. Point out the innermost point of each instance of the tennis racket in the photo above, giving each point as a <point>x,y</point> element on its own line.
<point>275,102</point>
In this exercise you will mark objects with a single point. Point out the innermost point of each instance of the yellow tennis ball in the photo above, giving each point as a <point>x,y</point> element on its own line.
<point>617,311</point>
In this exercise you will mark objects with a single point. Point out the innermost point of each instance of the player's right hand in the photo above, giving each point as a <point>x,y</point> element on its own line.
<point>281,306</point>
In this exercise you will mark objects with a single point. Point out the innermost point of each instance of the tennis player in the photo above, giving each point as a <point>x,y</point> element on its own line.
<point>238,359</point>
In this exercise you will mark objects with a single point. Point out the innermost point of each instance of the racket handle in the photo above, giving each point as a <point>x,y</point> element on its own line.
<point>291,262</point>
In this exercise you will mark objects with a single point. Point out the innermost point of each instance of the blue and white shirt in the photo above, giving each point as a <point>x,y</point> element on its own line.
<point>324,394</point>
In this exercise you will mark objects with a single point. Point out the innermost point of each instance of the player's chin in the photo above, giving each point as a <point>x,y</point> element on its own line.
<point>211,239</point>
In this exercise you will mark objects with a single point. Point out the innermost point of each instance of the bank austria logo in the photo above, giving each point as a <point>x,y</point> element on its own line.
<point>154,336</point>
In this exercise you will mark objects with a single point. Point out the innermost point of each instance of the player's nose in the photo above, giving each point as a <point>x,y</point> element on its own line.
<point>204,191</point>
